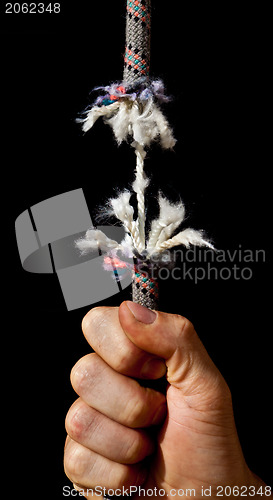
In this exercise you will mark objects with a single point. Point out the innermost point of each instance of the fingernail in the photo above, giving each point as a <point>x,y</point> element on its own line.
<point>153,369</point>
<point>141,313</point>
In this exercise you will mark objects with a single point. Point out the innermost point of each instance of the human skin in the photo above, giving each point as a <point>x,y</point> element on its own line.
<point>111,427</point>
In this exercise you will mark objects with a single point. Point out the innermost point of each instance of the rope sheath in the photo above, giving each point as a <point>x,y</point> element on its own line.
<point>145,288</point>
<point>138,40</point>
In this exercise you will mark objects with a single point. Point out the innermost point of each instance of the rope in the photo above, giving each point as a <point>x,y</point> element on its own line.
<point>136,66</point>
<point>145,287</point>
<point>138,37</point>
<point>132,109</point>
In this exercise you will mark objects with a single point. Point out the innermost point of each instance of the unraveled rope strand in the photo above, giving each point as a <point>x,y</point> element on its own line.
<point>139,186</point>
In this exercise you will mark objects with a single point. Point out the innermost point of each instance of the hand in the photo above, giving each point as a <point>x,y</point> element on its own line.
<point>110,440</point>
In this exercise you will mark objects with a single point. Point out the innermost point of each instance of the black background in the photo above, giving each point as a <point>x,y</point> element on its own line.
<point>215,63</point>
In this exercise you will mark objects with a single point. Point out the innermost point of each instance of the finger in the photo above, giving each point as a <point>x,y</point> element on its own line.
<point>114,441</point>
<point>116,396</point>
<point>102,330</point>
<point>173,338</point>
<point>90,470</point>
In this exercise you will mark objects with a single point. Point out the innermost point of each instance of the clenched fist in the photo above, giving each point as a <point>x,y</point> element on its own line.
<point>122,434</point>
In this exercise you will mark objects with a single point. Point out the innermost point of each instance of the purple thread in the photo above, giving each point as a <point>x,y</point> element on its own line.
<point>142,90</point>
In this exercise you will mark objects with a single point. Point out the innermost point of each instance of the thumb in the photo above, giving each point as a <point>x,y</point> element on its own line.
<point>173,338</point>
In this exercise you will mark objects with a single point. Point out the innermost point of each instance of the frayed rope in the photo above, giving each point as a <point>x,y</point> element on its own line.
<point>133,111</point>
<point>160,237</point>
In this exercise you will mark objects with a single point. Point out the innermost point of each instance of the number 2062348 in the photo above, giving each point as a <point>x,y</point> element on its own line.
<point>32,8</point>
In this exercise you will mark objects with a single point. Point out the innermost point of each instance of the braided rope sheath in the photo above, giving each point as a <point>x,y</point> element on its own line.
<point>145,288</point>
<point>138,37</point>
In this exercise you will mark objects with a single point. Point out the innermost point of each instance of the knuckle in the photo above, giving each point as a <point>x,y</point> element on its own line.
<point>123,476</point>
<point>121,363</point>
<point>185,327</point>
<point>124,360</point>
<point>84,373</point>
<point>75,422</point>
<point>94,318</point>
<point>134,412</point>
<point>134,450</point>
<point>141,407</point>
<point>82,422</point>
<point>74,463</point>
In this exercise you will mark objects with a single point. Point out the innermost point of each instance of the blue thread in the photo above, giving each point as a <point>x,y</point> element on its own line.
<point>106,102</point>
